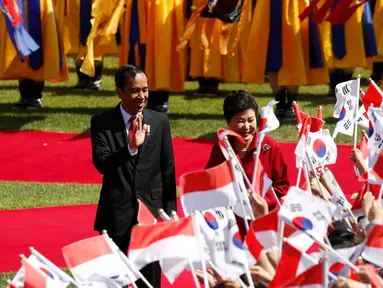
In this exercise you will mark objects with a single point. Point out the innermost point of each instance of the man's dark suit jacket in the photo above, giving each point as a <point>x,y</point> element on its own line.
<point>149,176</point>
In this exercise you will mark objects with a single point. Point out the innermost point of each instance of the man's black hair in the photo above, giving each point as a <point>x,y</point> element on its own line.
<point>238,101</point>
<point>125,72</point>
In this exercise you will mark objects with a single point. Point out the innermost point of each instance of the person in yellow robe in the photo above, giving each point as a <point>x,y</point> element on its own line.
<point>31,65</point>
<point>150,32</point>
<point>289,51</point>
<point>218,33</point>
<point>377,66</point>
<point>348,45</point>
<point>75,17</point>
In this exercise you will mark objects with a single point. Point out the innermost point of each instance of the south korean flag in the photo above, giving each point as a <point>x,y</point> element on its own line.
<point>321,148</point>
<point>346,107</point>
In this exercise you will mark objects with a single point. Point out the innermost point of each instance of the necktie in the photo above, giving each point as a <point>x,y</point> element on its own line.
<point>132,121</point>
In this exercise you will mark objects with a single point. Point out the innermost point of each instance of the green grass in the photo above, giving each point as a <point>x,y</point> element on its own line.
<point>16,195</point>
<point>66,110</point>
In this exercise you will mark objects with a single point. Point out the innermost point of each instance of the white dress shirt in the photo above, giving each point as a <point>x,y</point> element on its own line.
<point>126,116</point>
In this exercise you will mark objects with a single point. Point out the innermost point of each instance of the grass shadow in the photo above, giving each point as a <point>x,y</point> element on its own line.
<point>14,123</point>
<point>191,116</point>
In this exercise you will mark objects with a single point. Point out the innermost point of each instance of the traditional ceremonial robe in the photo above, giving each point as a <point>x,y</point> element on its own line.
<point>272,161</point>
<point>217,49</point>
<point>74,17</point>
<point>149,37</point>
<point>279,42</point>
<point>349,45</point>
<point>46,63</point>
<point>377,10</point>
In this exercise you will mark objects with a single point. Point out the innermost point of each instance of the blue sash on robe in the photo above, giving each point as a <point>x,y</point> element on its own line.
<point>134,38</point>
<point>36,59</point>
<point>315,52</point>
<point>369,40</point>
<point>338,38</point>
<point>18,33</point>
<point>85,17</point>
<point>274,51</point>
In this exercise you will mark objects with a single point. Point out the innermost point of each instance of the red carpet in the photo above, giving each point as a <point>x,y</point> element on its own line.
<point>54,157</point>
<point>48,230</point>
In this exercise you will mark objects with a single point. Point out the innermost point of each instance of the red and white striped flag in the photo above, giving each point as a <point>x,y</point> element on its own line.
<point>372,96</point>
<point>311,278</point>
<point>145,216</point>
<point>95,257</point>
<point>207,189</point>
<point>167,240</point>
<point>293,262</point>
<point>373,250</point>
<point>222,133</point>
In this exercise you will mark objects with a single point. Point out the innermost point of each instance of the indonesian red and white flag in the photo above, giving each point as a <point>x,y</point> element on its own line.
<point>222,133</point>
<point>145,216</point>
<point>316,124</point>
<point>373,250</point>
<point>166,240</point>
<point>36,278</point>
<point>300,150</point>
<point>307,212</point>
<point>311,278</point>
<point>57,275</point>
<point>373,96</point>
<point>207,189</point>
<point>263,183</point>
<point>269,121</point>
<point>293,262</point>
<point>95,256</point>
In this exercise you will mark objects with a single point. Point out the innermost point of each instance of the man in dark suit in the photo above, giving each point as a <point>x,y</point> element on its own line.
<point>136,160</point>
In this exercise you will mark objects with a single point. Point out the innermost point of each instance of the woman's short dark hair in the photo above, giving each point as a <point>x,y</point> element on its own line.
<point>238,101</point>
<point>124,72</point>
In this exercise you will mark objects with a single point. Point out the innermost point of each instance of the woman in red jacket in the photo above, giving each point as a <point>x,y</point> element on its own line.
<point>240,111</point>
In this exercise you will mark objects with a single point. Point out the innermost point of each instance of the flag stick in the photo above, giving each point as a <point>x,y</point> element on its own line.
<point>164,216</point>
<point>240,192</point>
<point>256,154</point>
<point>281,228</point>
<point>299,177</point>
<point>275,196</point>
<point>325,269</point>
<point>356,113</point>
<point>203,263</point>
<point>380,195</point>
<point>320,112</point>
<point>127,262</point>
<point>230,150</point>
<point>306,170</point>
